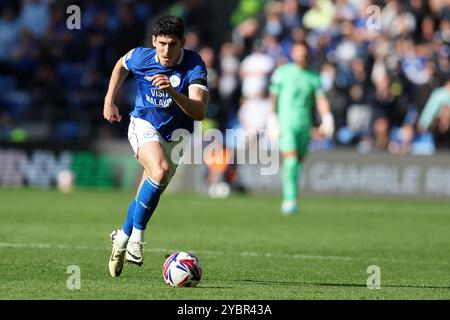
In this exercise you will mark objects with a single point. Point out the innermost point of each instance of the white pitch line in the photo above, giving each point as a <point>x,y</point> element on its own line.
<point>209,252</point>
<point>205,252</point>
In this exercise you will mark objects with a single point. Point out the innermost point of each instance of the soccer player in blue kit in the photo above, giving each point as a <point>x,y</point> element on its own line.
<point>172,93</point>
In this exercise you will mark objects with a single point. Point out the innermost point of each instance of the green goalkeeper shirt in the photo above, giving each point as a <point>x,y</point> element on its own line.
<point>296,89</point>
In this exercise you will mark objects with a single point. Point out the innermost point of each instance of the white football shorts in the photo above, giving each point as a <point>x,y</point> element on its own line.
<point>141,131</point>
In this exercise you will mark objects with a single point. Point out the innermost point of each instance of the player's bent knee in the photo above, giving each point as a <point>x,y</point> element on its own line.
<point>160,173</point>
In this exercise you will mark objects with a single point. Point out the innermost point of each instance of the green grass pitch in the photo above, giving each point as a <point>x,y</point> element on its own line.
<point>247,249</point>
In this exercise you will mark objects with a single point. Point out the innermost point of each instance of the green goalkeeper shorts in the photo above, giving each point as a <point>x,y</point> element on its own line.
<point>295,140</point>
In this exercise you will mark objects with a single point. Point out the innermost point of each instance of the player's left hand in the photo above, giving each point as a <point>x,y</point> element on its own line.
<point>326,128</point>
<point>162,82</point>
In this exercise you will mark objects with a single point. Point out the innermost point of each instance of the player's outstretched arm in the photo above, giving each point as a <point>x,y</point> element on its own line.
<point>327,124</point>
<point>274,102</point>
<point>110,110</point>
<point>194,106</point>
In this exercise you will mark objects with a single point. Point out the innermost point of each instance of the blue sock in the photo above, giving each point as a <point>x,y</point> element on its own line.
<point>128,225</point>
<point>146,203</point>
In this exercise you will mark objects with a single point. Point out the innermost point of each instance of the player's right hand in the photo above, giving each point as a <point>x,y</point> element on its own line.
<point>111,112</point>
<point>326,128</point>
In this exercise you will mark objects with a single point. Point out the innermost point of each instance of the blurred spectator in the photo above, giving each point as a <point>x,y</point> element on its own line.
<point>291,15</point>
<point>207,54</point>
<point>9,34</point>
<point>244,34</point>
<point>382,84</point>
<point>253,114</point>
<point>320,15</point>
<point>246,9</point>
<point>24,57</point>
<point>131,31</point>
<point>402,137</point>
<point>337,98</point>
<point>99,42</point>
<point>229,85</point>
<point>426,31</point>
<point>414,62</point>
<point>254,71</point>
<point>196,15</point>
<point>192,40</point>
<point>384,105</point>
<point>443,34</point>
<point>345,10</point>
<point>273,23</point>
<point>34,16</point>
<point>272,47</point>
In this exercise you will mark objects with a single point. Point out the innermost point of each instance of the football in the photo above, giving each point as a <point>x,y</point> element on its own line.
<point>182,269</point>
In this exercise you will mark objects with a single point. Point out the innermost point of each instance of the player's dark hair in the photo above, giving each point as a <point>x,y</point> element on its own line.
<point>169,25</point>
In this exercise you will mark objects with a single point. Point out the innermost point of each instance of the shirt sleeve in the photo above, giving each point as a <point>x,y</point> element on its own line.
<point>132,60</point>
<point>198,75</point>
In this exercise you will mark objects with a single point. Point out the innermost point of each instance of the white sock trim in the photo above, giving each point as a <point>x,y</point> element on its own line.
<point>154,184</point>
<point>121,239</point>
<point>137,235</point>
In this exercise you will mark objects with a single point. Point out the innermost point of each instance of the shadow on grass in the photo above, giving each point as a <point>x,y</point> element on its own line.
<point>214,287</point>
<point>322,284</point>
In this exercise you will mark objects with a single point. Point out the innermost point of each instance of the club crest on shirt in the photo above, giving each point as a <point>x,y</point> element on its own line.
<point>149,134</point>
<point>175,80</point>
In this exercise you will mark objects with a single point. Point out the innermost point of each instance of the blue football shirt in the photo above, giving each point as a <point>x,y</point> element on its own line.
<point>155,105</point>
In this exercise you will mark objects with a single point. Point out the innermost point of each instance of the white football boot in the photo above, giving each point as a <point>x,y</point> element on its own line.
<point>289,207</point>
<point>134,252</point>
<point>117,258</point>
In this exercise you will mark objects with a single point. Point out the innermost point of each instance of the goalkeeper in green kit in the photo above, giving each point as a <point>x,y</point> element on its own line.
<point>295,90</point>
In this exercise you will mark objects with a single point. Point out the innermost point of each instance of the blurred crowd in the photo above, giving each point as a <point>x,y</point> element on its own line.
<point>53,78</point>
<point>384,65</point>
